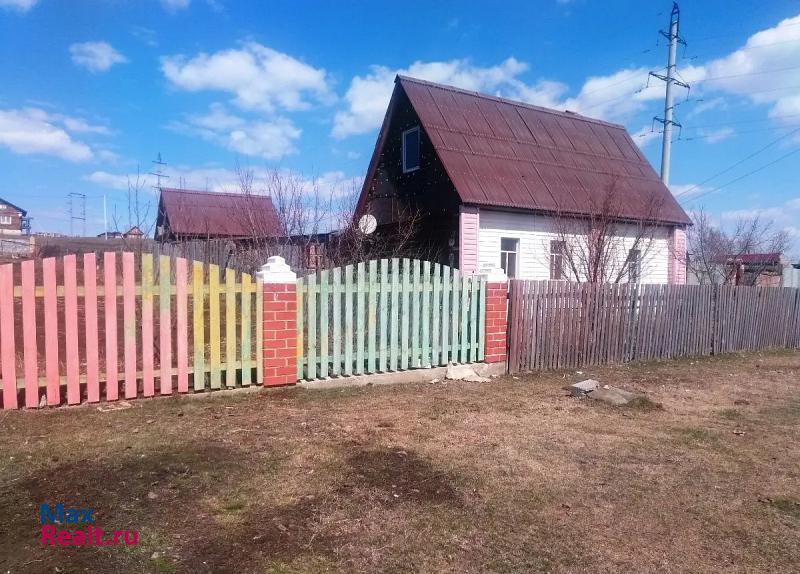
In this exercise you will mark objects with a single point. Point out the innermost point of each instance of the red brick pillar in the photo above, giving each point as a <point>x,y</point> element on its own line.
<point>495,350</point>
<point>279,323</point>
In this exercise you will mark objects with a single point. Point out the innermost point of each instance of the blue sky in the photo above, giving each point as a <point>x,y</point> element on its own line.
<point>94,88</point>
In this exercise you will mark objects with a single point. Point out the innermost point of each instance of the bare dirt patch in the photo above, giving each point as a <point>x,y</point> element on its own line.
<point>507,476</point>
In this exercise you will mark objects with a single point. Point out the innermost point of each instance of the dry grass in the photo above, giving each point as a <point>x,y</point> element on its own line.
<point>508,476</point>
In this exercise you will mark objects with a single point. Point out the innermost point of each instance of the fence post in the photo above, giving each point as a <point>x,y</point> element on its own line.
<point>496,316</point>
<point>279,323</point>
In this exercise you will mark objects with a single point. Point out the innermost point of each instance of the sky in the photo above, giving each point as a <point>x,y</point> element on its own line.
<point>94,90</point>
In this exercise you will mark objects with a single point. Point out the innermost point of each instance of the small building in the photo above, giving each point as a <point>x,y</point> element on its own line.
<point>13,220</point>
<point>185,214</point>
<point>133,233</point>
<point>491,181</point>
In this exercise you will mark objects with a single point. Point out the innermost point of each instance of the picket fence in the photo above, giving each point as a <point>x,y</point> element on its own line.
<point>388,315</point>
<point>71,332</point>
<point>556,325</point>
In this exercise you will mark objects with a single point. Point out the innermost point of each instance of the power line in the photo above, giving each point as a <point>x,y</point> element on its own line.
<point>738,163</point>
<point>732,133</point>
<point>749,173</point>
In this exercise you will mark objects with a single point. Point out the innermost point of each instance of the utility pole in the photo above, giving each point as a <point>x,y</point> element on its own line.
<point>105,217</point>
<point>158,171</point>
<point>669,79</point>
<point>79,214</point>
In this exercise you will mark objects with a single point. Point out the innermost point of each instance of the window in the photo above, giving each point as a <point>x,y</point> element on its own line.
<point>411,150</point>
<point>509,248</point>
<point>634,266</point>
<point>5,220</point>
<point>558,251</point>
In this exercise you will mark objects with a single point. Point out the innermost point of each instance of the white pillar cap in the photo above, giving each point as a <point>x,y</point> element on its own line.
<point>276,271</point>
<point>493,274</point>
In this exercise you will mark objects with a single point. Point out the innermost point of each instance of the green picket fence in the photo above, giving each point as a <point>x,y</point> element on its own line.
<point>388,315</point>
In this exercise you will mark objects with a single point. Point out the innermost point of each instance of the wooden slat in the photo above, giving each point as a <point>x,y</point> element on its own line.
<point>481,319</point>
<point>165,325</point>
<point>348,320</point>
<point>31,358</point>
<point>182,323</point>
<point>445,316</point>
<point>214,334</point>
<point>416,288</point>
<point>110,313</point>
<point>464,328</point>
<point>129,323</point>
<point>455,316</point>
<point>425,335</point>
<point>231,360</point>
<point>383,339</point>
<point>198,326</point>
<point>436,306</point>
<point>372,317</point>
<point>311,314</point>
<point>148,377</point>
<point>71,329</point>
<point>323,323</point>
<point>473,319</point>
<point>336,290</point>
<point>51,331</point>
<point>405,312</point>
<point>8,351</point>
<point>90,327</point>
<point>361,288</point>
<point>394,326</point>
<point>301,326</point>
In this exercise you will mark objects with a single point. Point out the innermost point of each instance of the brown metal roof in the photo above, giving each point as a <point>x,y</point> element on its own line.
<point>211,214</point>
<point>503,153</point>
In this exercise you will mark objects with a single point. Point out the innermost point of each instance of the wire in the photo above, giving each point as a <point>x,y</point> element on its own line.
<point>738,163</point>
<point>752,121</point>
<point>747,74</point>
<point>731,133</point>
<point>749,173</point>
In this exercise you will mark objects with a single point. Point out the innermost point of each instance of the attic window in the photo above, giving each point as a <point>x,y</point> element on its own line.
<point>411,149</point>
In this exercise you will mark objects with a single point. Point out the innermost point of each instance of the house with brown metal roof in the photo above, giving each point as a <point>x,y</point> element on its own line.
<point>186,214</point>
<point>489,179</point>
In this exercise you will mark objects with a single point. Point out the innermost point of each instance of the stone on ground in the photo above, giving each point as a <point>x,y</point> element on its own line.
<point>584,387</point>
<point>612,395</point>
<point>464,373</point>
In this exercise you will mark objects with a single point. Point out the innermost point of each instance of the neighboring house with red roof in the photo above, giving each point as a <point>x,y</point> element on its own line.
<point>185,214</point>
<point>492,177</point>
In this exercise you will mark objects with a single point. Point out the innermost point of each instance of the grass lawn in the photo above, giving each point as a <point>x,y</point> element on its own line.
<point>507,476</point>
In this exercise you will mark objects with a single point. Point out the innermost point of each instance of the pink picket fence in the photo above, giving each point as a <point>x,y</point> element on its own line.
<point>118,326</point>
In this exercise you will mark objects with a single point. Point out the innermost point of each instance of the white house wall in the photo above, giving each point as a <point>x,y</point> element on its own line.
<point>535,232</point>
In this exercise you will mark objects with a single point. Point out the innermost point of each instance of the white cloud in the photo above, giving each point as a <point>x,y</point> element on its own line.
<point>30,131</point>
<point>761,69</point>
<point>331,184</point>
<point>645,136</point>
<point>368,96</point>
<point>95,56</point>
<point>110,180</point>
<point>21,5</point>
<point>260,78</point>
<point>175,5</point>
<point>269,139</point>
<point>714,136</point>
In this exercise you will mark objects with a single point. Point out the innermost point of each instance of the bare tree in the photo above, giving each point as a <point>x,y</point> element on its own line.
<point>605,244</point>
<point>716,255</point>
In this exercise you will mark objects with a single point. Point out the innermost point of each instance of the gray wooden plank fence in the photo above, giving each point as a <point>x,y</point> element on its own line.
<point>555,325</point>
<point>388,315</point>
